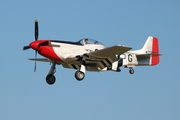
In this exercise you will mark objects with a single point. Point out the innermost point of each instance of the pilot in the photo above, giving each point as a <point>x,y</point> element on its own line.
<point>86,41</point>
<point>96,42</point>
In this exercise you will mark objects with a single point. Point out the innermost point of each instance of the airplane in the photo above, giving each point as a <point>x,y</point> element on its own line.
<point>90,55</point>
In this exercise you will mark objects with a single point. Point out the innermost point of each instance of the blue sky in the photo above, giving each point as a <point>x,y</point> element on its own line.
<point>152,93</point>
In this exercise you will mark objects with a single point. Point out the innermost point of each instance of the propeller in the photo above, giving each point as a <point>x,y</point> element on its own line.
<point>35,61</point>
<point>26,47</point>
<point>36,33</point>
<point>36,38</point>
<point>36,30</point>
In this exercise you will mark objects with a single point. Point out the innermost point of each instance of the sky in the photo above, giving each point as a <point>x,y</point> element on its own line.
<point>151,93</point>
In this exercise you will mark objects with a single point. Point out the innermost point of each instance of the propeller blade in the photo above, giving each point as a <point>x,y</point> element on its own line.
<point>35,61</point>
<point>36,30</point>
<point>26,47</point>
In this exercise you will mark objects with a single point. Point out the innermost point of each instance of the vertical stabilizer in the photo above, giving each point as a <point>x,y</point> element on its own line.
<point>151,49</point>
<point>148,45</point>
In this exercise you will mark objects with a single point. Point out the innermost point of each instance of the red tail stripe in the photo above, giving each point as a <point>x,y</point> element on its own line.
<point>155,49</point>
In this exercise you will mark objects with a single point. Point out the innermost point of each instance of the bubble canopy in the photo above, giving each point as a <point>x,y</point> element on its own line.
<point>85,41</point>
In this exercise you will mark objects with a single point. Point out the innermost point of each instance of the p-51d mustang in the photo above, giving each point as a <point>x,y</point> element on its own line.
<point>91,55</point>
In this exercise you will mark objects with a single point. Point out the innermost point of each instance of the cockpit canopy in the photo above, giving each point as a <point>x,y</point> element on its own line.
<point>85,41</point>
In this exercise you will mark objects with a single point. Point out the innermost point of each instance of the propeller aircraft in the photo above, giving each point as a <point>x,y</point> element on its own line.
<point>91,55</point>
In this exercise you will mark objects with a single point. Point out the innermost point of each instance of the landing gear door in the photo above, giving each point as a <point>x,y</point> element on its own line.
<point>125,60</point>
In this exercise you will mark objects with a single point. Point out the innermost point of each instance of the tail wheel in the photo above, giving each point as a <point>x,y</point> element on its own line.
<point>50,79</point>
<point>79,75</point>
<point>131,71</point>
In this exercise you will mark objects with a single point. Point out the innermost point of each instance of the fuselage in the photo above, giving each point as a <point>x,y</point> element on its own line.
<point>71,53</point>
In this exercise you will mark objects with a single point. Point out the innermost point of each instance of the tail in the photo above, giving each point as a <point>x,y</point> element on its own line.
<point>151,50</point>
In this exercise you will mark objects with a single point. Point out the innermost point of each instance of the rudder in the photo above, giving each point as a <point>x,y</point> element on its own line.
<point>155,52</point>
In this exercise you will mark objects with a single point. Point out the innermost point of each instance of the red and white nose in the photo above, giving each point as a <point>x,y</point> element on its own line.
<point>36,44</point>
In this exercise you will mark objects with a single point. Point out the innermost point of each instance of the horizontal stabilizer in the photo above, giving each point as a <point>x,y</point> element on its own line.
<point>148,55</point>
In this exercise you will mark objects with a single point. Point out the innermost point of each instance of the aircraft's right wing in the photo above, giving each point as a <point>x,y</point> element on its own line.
<point>40,59</point>
<point>43,60</point>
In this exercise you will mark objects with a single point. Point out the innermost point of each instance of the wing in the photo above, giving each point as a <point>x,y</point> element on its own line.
<point>99,59</point>
<point>107,56</point>
<point>40,59</point>
<point>43,60</point>
<point>107,52</point>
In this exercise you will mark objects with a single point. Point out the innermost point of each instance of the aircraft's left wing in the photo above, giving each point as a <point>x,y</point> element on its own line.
<point>110,51</point>
<point>105,57</point>
<point>99,59</point>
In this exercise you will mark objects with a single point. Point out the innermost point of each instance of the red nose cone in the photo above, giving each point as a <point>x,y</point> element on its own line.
<point>34,45</point>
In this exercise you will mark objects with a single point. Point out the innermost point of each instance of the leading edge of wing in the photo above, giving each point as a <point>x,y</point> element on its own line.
<point>107,52</point>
